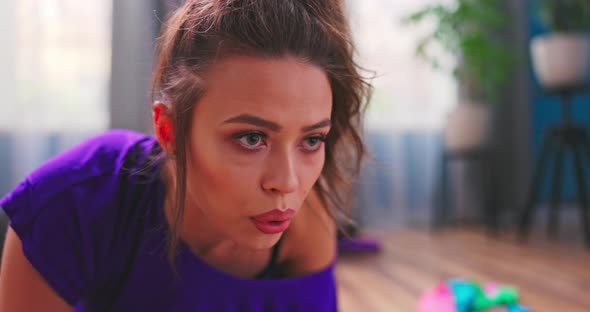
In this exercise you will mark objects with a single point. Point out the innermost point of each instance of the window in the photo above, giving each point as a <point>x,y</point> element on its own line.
<point>408,94</point>
<point>58,61</point>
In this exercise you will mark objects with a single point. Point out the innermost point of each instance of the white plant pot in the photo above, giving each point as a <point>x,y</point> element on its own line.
<point>467,127</point>
<point>560,59</point>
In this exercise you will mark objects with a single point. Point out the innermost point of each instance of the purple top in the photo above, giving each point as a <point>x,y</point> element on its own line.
<point>91,223</point>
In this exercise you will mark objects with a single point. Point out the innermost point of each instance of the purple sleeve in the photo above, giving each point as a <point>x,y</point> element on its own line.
<point>64,214</point>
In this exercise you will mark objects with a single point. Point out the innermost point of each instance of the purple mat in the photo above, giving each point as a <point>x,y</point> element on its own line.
<point>358,245</point>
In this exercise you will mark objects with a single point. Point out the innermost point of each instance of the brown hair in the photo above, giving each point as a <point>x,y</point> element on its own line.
<point>316,31</point>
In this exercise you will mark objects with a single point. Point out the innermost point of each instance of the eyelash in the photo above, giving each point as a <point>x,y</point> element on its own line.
<point>320,137</point>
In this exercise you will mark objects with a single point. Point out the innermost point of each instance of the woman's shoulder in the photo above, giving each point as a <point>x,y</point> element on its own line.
<point>98,155</point>
<point>78,212</point>
<point>83,178</point>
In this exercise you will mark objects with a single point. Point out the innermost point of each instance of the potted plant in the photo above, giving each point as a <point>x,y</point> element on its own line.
<point>473,32</point>
<point>561,58</point>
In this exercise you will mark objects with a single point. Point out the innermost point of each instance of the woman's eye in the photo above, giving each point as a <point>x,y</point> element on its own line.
<point>313,143</point>
<point>251,140</point>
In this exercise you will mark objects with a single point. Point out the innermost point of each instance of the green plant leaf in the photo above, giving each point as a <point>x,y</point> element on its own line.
<point>472,31</point>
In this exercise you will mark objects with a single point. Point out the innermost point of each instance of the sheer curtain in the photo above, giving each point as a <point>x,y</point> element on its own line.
<point>405,117</point>
<point>55,80</point>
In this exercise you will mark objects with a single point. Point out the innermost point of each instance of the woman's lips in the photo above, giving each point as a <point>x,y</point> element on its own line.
<point>274,221</point>
<point>272,227</point>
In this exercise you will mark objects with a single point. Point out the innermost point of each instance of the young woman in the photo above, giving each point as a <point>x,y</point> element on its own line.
<point>230,206</point>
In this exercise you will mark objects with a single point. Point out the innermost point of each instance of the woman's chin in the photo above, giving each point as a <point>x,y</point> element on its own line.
<point>263,241</point>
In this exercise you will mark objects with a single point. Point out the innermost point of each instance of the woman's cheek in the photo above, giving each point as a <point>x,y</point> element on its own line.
<point>312,169</point>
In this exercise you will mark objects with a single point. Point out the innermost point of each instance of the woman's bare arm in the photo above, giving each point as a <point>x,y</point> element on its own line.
<point>22,288</point>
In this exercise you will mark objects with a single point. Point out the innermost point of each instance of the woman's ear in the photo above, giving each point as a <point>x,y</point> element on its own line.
<point>163,127</point>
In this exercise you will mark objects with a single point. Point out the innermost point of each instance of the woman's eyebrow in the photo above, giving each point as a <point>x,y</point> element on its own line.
<point>271,125</point>
<point>324,123</point>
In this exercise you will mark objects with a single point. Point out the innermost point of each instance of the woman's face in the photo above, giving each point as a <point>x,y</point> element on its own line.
<point>256,145</point>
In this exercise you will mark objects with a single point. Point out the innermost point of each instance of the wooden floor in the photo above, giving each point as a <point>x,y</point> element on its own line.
<point>550,276</point>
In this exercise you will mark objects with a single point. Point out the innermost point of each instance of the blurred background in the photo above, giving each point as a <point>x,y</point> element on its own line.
<point>465,93</point>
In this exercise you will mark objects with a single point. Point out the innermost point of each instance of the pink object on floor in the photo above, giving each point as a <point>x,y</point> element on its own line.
<point>437,299</point>
<point>491,288</point>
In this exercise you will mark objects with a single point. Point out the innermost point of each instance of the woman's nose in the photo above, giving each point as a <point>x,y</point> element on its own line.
<point>281,174</point>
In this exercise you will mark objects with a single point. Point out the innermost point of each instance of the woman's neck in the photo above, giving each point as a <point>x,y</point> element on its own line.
<point>207,243</point>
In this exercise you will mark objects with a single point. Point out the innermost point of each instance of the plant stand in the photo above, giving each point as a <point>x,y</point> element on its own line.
<point>558,140</point>
<point>481,157</point>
